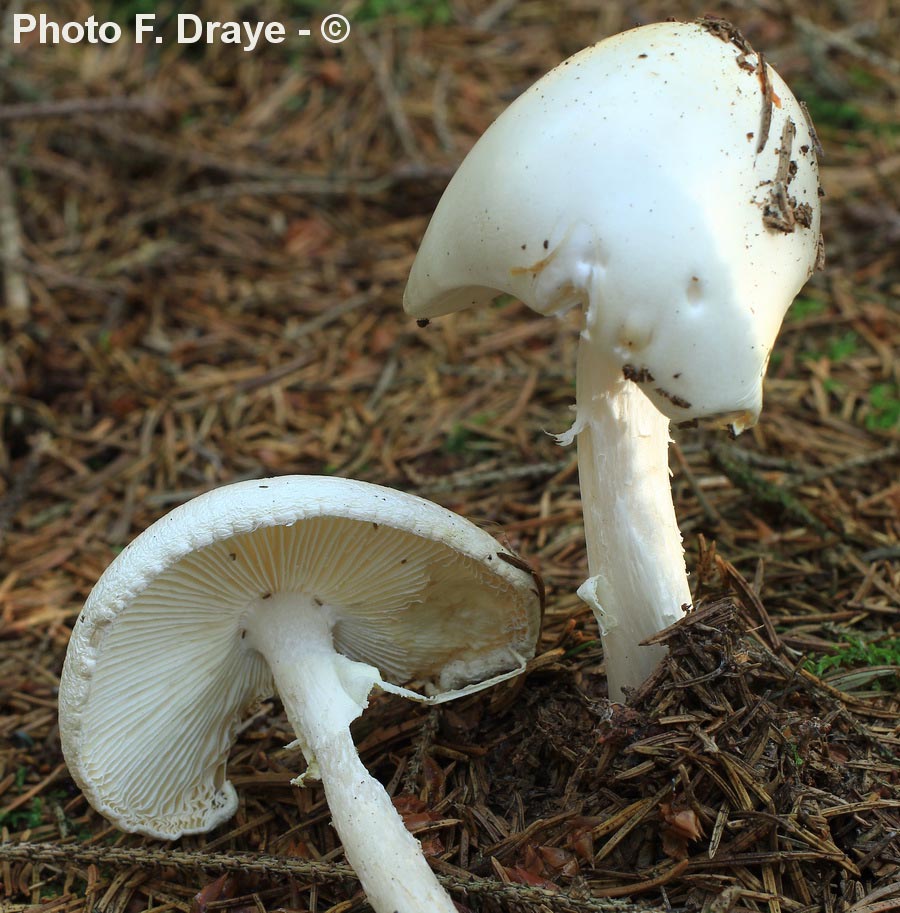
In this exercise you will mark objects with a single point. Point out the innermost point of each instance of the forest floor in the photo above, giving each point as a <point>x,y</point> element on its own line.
<point>204,252</point>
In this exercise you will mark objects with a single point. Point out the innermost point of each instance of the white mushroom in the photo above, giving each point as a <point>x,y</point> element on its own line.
<point>321,588</point>
<point>665,180</point>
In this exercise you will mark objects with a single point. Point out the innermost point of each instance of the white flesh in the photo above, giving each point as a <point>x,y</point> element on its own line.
<point>637,584</point>
<point>323,692</point>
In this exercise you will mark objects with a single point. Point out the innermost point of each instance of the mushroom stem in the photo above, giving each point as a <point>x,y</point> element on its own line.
<point>322,693</point>
<point>638,583</point>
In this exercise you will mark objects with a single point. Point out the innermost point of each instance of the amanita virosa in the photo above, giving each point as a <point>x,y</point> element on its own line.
<point>665,181</point>
<point>319,588</point>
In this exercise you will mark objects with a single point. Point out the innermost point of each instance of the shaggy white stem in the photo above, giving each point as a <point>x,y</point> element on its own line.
<point>323,692</point>
<point>638,582</point>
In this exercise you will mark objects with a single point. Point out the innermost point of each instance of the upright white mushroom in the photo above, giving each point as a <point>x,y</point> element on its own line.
<point>665,180</point>
<point>319,588</point>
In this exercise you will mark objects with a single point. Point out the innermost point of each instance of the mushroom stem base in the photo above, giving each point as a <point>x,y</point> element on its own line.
<point>323,692</point>
<point>638,583</point>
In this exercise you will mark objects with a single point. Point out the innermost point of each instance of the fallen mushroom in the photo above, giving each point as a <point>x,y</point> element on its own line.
<point>321,588</point>
<point>665,180</point>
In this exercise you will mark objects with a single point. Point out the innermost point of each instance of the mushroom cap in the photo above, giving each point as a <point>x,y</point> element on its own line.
<point>644,175</point>
<point>158,675</point>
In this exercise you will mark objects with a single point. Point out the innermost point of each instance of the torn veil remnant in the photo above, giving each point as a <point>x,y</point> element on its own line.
<point>643,171</point>
<point>318,587</point>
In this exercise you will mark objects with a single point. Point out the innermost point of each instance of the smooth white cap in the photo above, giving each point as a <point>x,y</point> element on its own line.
<point>631,177</point>
<point>159,672</point>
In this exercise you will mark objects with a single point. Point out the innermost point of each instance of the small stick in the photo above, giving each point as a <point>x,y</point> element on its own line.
<point>72,107</point>
<point>267,866</point>
<point>391,98</point>
<point>18,303</point>
<point>439,116</point>
<point>21,484</point>
<point>817,145</point>
<point>298,186</point>
<point>866,459</point>
<point>641,886</point>
<point>751,600</point>
<point>422,749</point>
<point>34,791</point>
<point>712,514</point>
<point>490,477</point>
<point>763,491</point>
<point>766,121</point>
<point>783,174</point>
